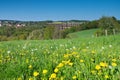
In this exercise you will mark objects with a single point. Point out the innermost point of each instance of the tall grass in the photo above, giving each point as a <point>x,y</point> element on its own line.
<point>77,59</point>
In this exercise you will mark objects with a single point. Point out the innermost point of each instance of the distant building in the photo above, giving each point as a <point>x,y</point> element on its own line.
<point>64,25</point>
<point>0,24</point>
<point>20,25</point>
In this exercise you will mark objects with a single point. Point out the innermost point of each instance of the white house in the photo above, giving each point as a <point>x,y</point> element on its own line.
<point>0,24</point>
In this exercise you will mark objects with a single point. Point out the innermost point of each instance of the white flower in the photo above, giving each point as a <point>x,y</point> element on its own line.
<point>110,46</point>
<point>110,67</point>
<point>87,47</point>
<point>103,47</point>
<point>74,47</point>
<point>8,52</point>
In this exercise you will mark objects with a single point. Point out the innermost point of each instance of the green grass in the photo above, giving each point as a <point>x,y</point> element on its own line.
<point>83,34</point>
<point>75,59</point>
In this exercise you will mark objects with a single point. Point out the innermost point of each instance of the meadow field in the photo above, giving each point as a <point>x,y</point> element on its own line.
<point>90,58</point>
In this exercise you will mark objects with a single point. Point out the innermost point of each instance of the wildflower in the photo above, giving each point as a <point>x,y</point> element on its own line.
<point>35,73</point>
<point>44,71</point>
<point>62,78</point>
<point>77,56</point>
<point>110,67</point>
<point>53,75</point>
<point>8,52</point>
<point>106,76</point>
<point>30,78</point>
<point>103,64</point>
<point>74,77</point>
<point>97,67</point>
<point>60,65</point>
<point>30,67</point>
<point>66,55</point>
<point>84,50</point>
<point>81,61</point>
<point>103,47</point>
<point>19,78</point>
<point>93,71</point>
<point>93,52</point>
<point>74,53</point>
<point>114,60</point>
<point>74,47</point>
<point>114,64</point>
<point>27,60</point>
<point>56,70</point>
<point>99,73</point>
<point>0,61</point>
<point>66,62</point>
<point>70,63</point>
<point>110,46</point>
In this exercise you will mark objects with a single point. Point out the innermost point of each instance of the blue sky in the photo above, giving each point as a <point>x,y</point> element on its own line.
<point>37,10</point>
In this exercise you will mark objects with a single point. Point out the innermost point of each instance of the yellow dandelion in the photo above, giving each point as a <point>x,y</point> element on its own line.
<point>114,60</point>
<point>0,61</point>
<point>44,71</point>
<point>77,56</point>
<point>81,61</point>
<point>27,60</point>
<point>93,72</point>
<point>60,65</point>
<point>19,78</point>
<point>74,53</point>
<point>106,76</point>
<point>66,62</point>
<point>103,64</point>
<point>114,64</point>
<point>53,75</point>
<point>97,67</point>
<point>93,51</point>
<point>35,73</point>
<point>84,50</point>
<point>30,67</point>
<point>61,78</point>
<point>56,70</point>
<point>74,77</point>
<point>31,79</point>
<point>99,73</point>
<point>70,63</point>
<point>66,55</point>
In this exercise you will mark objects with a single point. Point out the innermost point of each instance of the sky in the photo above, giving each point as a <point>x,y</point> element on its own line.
<point>38,10</point>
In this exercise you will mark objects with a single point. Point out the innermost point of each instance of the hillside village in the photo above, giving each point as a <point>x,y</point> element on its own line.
<point>42,30</point>
<point>61,24</point>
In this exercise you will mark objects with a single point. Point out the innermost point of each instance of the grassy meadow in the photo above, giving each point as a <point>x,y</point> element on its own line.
<point>88,58</point>
<point>83,34</point>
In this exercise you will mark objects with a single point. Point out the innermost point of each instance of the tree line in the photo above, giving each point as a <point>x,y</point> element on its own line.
<point>41,31</point>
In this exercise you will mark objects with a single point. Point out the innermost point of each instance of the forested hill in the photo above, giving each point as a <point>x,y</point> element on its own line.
<point>42,30</point>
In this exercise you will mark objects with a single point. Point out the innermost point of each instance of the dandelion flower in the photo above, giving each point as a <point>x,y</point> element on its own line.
<point>19,78</point>
<point>114,60</point>
<point>93,71</point>
<point>60,65</point>
<point>103,64</point>
<point>93,52</point>
<point>30,78</point>
<point>74,77</point>
<point>114,64</point>
<point>44,71</point>
<point>53,75</point>
<point>30,67</point>
<point>81,61</point>
<point>70,63</point>
<point>97,67</point>
<point>56,70</point>
<point>106,76</point>
<point>35,73</point>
